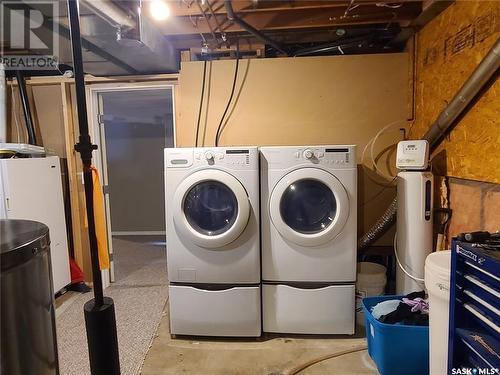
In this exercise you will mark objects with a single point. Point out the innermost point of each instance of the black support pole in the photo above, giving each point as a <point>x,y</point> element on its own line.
<point>21,83</point>
<point>99,312</point>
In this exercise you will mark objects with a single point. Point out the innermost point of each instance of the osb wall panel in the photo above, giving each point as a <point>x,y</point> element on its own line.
<point>448,50</point>
<point>475,206</point>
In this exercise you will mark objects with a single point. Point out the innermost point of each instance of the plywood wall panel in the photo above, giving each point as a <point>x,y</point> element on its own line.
<point>48,104</point>
<point>297,101</point>
<point>448,50</point>
<point>286,101</point>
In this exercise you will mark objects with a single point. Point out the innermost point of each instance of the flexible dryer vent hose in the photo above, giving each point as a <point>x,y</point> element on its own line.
<point>487,69</point>
<point>380,226</point>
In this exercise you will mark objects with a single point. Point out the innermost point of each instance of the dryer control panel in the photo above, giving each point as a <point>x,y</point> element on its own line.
<point>336,157</point>
<point>230,157</point>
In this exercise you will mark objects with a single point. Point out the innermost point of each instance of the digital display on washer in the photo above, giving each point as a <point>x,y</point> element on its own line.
<point>337,150</point>
<point>237,152</point>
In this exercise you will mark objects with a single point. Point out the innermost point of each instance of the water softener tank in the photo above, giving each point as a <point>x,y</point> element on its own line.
<point>27,300</point>
<point>414,229</point>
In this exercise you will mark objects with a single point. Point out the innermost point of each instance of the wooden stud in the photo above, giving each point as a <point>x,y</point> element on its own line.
<point>58,80</point>
<point>292,18</point>
<point>69,134</point>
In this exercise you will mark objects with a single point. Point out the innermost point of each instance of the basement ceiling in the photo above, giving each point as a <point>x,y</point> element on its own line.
<point>118,39</point>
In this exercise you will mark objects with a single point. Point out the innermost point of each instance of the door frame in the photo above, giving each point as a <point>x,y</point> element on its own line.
<point>92,93</point>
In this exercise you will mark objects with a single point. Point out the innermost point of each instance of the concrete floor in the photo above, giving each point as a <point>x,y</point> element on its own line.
<point>265,356</point>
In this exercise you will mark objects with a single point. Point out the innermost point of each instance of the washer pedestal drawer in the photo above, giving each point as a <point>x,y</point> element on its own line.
<point>229,312</point>
<point>325,310</point>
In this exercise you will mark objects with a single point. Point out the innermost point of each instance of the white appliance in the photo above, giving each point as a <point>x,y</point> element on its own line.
<point>31,189</point>
<point>309,225</point>
<point>412,155</point>
<point>213,243</point>
<point>414,229</point>
<point>414,215</point>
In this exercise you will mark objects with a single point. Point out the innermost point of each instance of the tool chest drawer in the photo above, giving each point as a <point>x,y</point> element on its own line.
<point>474,307</point>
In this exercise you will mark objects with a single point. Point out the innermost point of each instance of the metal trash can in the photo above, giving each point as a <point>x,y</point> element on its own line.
<point>28,342</point>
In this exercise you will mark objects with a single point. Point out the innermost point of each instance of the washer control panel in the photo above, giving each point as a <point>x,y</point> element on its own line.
<point>241,158</point>
<point>335,156</point>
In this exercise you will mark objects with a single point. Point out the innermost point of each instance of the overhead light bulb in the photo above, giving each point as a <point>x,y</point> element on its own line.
<point>159,10</point>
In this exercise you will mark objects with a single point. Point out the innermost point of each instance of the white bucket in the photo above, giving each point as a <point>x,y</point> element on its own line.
<point>371,280</point>
<point>437,283</point>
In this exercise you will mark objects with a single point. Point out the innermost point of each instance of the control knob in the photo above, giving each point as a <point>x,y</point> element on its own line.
<point>209,155</point>
<point>308,154</point>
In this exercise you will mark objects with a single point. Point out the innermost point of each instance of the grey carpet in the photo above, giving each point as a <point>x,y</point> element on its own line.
<point>140,294</point>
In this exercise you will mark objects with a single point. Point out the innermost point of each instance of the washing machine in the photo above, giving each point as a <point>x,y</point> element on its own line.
<point>213,241</point>
<point>309,224</point>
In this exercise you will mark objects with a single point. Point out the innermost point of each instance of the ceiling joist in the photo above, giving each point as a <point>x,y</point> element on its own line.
<point>287,15</point>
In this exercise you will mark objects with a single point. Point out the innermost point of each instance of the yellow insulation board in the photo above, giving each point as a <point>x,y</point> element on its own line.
<point>448,50</point>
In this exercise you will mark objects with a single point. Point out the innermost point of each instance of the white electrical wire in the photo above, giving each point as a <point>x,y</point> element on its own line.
<point>399,263</point>
<point>371,144</point>
<point>386,5</point>
<point>374,163</point>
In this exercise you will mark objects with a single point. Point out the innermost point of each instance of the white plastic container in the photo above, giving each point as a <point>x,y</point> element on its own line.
<point>437,283</point>
<point>371,280</point>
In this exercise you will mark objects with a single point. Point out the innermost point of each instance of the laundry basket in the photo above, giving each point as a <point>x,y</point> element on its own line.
<point>396,349</point>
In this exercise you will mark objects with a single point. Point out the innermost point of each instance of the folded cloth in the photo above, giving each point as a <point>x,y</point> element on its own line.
<point>385,307</point>
<point>414,295</point>
<point>404,315</point>
<point>412,310</point>
<point>417,304</point>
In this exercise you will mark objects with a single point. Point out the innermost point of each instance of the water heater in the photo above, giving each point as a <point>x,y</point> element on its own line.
<point>414,216</point>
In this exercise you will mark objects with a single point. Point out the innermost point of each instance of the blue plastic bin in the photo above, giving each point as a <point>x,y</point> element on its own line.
<point>396,349</point>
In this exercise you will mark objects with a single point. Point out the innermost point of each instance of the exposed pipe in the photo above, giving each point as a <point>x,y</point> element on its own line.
<point>223,35</point>
<point>444,123</point>
<point>208,23</point>
<point>64,31</point>
<point>3,105</point>
<point>337,45</point>
<point>26,107</point>
<point>111,13</point>
<point>481,75</point>
<point>252,30</point>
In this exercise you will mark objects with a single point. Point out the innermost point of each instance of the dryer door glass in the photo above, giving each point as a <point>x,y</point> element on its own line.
<point>211,207</point>
<point>308,206</point>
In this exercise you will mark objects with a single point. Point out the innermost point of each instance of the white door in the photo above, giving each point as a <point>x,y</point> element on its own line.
<point>309,206</point>
<point>211,208</point>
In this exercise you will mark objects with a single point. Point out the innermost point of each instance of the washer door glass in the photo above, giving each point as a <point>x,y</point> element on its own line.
<point>308,206</point>
<point>211,207</point>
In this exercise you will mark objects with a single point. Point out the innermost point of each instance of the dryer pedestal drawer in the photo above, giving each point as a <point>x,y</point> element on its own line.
<point>326,310</point>
<point>229,312</point>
